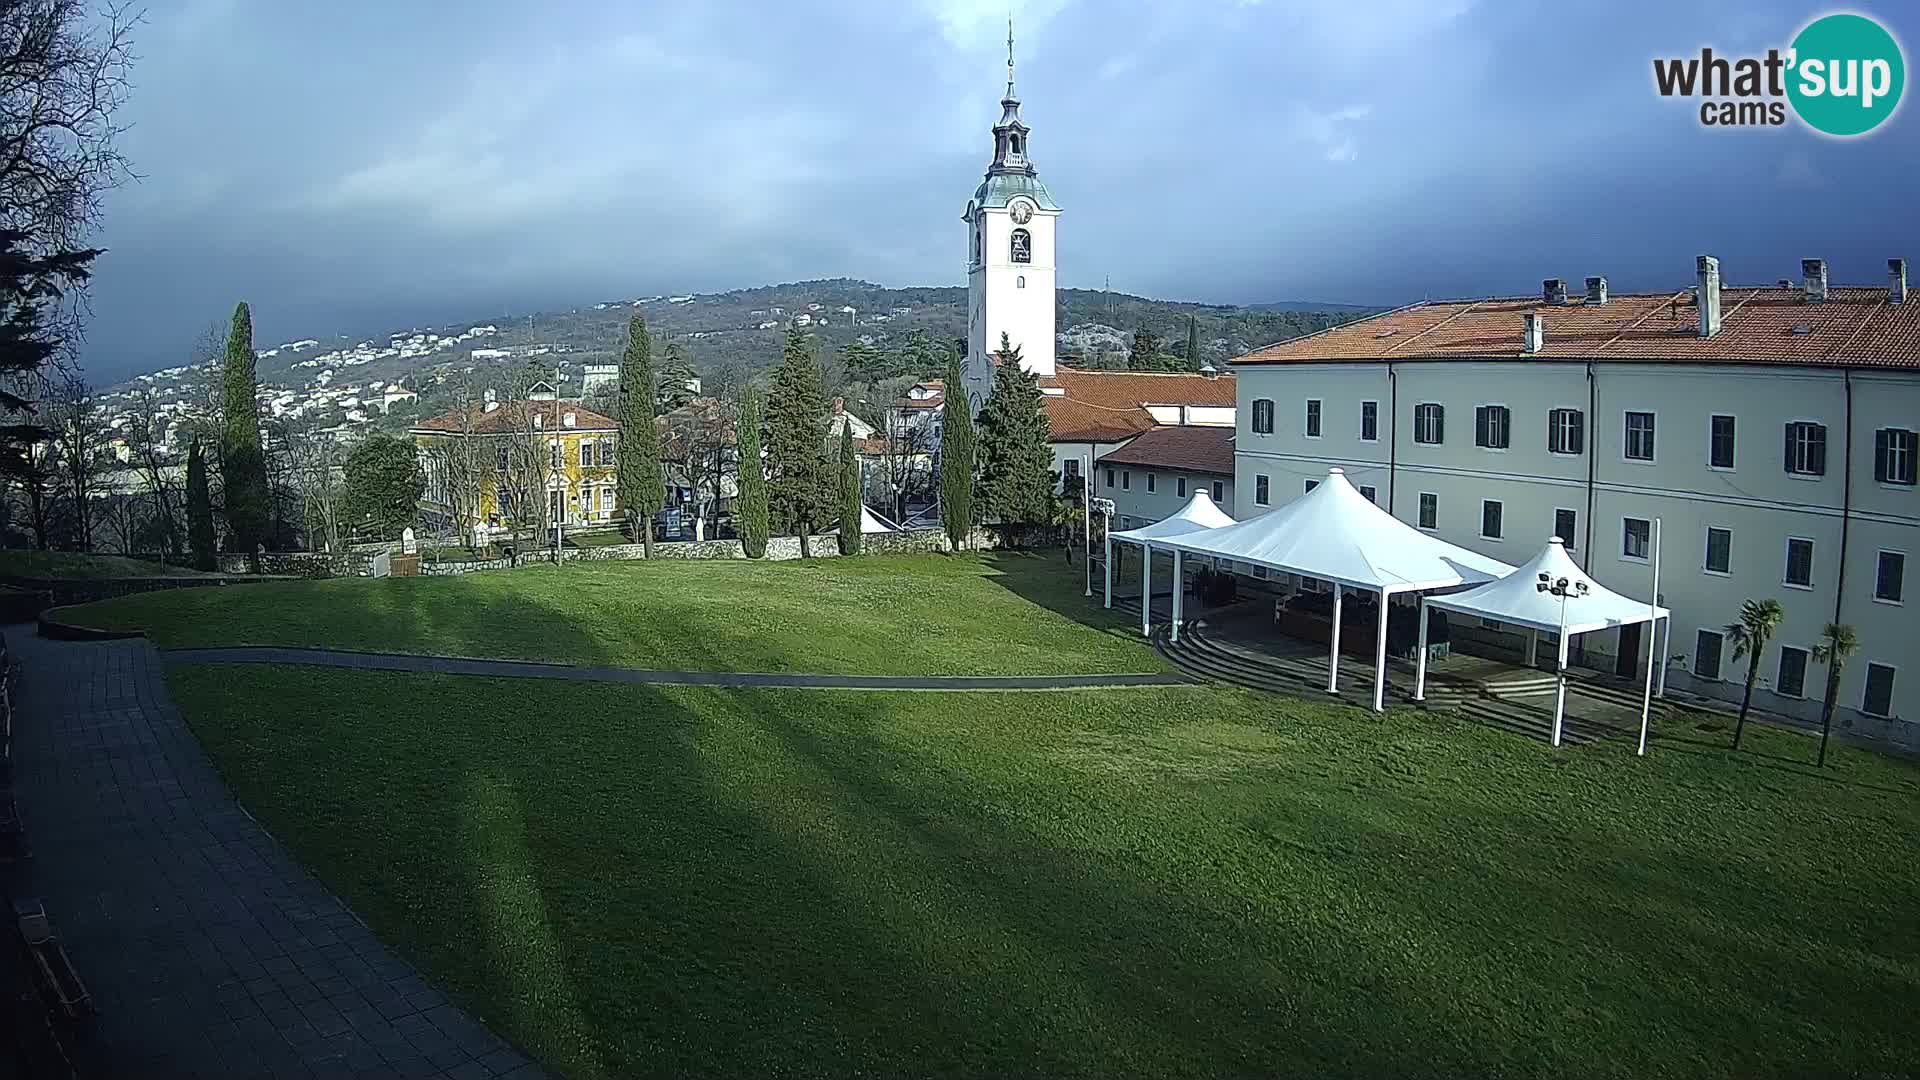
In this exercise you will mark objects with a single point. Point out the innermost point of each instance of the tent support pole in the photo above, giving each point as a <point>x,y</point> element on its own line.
<point>1560,681</point>
<point>1333,654</point>
<point>1420,661</point>
<point>1146,590</point>
<point>1179,591</point>
<point>1666,650</point>
<point>1380,656</point>
<point>1106,567</point>
<point>1533,647</point>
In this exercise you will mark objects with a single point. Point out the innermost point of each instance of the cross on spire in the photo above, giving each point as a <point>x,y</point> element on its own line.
<point>1009,56</point>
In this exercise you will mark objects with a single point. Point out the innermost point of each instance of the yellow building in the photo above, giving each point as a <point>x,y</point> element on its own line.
<point>481,464</point>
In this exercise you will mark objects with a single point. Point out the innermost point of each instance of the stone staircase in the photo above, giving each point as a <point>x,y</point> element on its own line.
<point>1521,703</point>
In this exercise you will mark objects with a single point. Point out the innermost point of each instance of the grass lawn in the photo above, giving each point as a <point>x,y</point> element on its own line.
<point>1180,882</point>
<point>893,615</point>
<point>74,564</point>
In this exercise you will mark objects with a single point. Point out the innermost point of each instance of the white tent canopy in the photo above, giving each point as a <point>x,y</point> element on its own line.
<point>1200,513</point>
<point>1335,533</point>
<point>1550,593</point>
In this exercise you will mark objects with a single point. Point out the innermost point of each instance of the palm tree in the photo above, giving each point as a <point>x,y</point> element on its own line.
<point>1837,643</point>
<point>1758,620</point>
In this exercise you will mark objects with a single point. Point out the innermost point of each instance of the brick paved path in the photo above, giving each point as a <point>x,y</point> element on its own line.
<point>208,950</point>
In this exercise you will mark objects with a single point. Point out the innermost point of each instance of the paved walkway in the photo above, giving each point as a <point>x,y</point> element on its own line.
<point>208,950</point>
<point>528,669</point>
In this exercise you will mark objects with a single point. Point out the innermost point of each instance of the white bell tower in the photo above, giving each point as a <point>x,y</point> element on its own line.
<point>1010,262</point>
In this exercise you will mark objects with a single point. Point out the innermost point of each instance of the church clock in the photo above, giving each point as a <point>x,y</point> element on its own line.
<point>1022,211</point>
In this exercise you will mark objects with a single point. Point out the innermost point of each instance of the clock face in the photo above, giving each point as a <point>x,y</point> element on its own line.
<point>1022,211</point>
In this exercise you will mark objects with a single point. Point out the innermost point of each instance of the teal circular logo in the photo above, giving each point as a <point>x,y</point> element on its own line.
<point>1847,74</point>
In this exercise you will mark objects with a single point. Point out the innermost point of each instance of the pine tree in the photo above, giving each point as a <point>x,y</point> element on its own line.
<point>957,450</point>
<point>851,504</point>
<point>675,380</point>
<point>1193,344</point>
<point>199,508</point>
<point>1145,353</point>
<point>751,500</point>
<point>1016,446</point>
<point>243,465</point>
<point>800,483</point>
<point>642,490</point>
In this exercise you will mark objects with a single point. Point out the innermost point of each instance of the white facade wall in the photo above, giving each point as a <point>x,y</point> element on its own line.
<point>1144,494</point>
<point>1082,452</point>
<point>1005,296</point>
<point>1757,499</point>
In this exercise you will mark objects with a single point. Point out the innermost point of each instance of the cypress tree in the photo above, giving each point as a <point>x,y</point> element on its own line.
<point>199,508</point>
<point>800,485</point>
<point>850,501</point>
<point>1016,446</point>
<point>243,465</point>
<point>1193,343</point>
<point>957,448</point>
<point>642,489</point>
<point>751,501</point>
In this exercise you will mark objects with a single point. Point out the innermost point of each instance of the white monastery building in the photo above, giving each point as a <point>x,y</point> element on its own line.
<point>1771,430</point>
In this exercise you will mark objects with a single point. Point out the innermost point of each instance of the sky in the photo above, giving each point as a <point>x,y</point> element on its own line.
<point>368,165</point>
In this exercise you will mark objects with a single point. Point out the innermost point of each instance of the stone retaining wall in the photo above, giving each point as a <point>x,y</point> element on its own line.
<point>779,549</point>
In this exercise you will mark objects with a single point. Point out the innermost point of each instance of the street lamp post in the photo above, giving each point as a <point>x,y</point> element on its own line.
<point>1103,507</point>
<point>1564,589</point>
<point>1086,517</point>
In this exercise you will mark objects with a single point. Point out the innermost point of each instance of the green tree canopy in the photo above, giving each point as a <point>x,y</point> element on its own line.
<point>384,485</point>
<point>800,484</point>
<point>642,488</point>
<point>199,508</point>
<point>957,451</point>
<point>675,380</point>
<point>1193,357</point>
<point>243,465</point>
<point>851,504</point>
<point>1016,446</point>
<point>751,505</point>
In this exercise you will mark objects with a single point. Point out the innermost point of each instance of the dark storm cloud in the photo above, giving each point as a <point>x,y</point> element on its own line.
<point>355,166</point>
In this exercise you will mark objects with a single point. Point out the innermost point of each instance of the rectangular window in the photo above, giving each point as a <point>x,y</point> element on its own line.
<point>1180,487</point>
<point>1707,646</point>
<point>1638,444</point>
<point>1126,479</point>
<point>1566,432</point>
<point>1889,576</point>
<point>1313,418</point>
<point>500,457</point>
<point>1492,427</point>
<point>1636,534</point>
<point>1878,700</point>
<point>1566,526</point>
<point>1792,680</point>
<point>1219,491</point>
<point>1151,478</point>
<point>1799,562</point>
<point>1806,451</point>
<point>553,454</point>
<point>1307,488</point>
<point>1372,493</point>
<point>586,455</point>
<point>1490,514</point>
<point>1894,452</point>
<point>1719,550</point>
<point>1261,496</point>
<point>1720,442</point>
<point>606,501</point>
<point>1109,477</point>
<point>1429,424</point>
<point>1429,510</point>
<point>586,494</point>
<point>1369,421</point>
<point>1070,473</point>
<point>1262,416</point>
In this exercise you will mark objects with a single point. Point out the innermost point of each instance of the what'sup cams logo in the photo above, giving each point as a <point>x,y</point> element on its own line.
<point>1842,76</point>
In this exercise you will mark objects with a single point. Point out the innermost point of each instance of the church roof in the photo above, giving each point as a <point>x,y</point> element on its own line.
<point>997,190</point>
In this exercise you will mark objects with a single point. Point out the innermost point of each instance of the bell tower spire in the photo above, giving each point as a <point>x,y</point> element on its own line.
<point>1010,134</point>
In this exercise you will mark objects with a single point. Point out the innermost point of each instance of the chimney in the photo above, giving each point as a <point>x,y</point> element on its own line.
<point>1596,290</point>
<point>1896,281</point>
<point>1554,290</point>
<point>1814,273</point>
<point>1708,294</point>
<point>1534,337</point>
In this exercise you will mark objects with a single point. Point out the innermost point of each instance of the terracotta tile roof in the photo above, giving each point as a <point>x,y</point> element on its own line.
<point>1190,448</point>
<point>1078,421</point>
<point>1107,406</point>
<point>1854,326</point>
<point>501,421</point>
